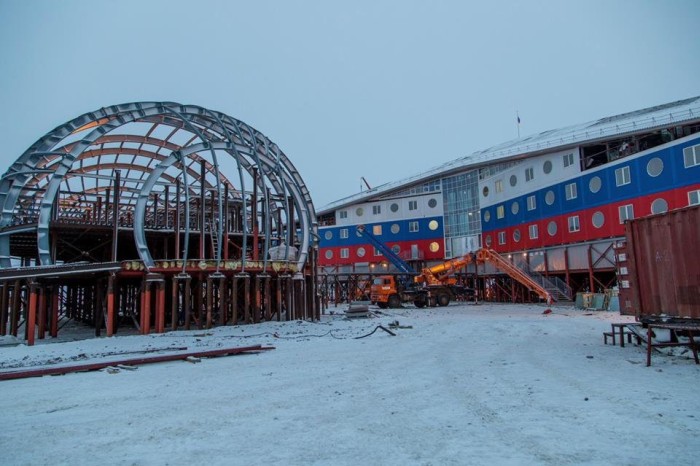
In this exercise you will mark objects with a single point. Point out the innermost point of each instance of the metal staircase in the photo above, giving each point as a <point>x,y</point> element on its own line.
<point>549,289</point>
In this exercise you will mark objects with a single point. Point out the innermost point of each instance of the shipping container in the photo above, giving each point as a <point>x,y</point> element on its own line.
<point>658,266</point>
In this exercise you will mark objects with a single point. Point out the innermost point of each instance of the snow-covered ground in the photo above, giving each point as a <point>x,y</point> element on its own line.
<point>467,384</point>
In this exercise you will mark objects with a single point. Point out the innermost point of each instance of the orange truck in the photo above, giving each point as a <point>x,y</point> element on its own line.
<point>434,286</point>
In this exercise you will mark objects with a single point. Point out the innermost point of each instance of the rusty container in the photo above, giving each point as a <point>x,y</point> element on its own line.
<point>658,265</point>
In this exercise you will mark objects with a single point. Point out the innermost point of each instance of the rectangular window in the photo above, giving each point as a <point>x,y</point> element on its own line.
<point>529,174</point>
<point>344,253</point>
<point>622,176</point>
<point>570,191</point>
<point>499,186</point>
<point>534,231</point>
<point>500,211</point>
<point>691,156</point>
<point>694,197</point>
<point>412,205</point>
<point>377,252</point>
<point>574,224</point>
<point>376,209</point>
<point>531,202</point>
<point>626,212</point>
<point>343,232</point>
<point>377,230</point>
<point>412,227</point>
<point>343,214</point>
<point>501,237</point>
<point>568,160</point>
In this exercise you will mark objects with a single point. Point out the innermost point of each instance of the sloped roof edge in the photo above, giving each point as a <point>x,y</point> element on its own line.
<point>645,119</point>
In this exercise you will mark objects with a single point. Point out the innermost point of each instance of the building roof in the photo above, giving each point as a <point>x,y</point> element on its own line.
<point>659,116</point>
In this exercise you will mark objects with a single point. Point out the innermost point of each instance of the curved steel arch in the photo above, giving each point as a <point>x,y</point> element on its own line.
<point>53,157</point>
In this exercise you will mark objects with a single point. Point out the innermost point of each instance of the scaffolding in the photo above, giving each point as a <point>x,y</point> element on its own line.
<point>154,215</point>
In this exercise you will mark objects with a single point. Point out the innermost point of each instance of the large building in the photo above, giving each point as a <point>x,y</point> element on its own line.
<point>555,202</point>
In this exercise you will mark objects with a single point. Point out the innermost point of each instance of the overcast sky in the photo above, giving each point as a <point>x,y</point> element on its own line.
<point>380,89</point>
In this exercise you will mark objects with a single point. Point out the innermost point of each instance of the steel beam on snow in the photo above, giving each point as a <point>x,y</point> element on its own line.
<point>9,375</point>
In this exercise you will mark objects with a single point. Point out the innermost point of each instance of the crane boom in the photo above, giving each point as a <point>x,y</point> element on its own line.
<point>438,274</point>
<point>387,252</point>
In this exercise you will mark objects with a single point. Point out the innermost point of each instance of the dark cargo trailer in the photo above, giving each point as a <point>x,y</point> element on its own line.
<point>658,266</point>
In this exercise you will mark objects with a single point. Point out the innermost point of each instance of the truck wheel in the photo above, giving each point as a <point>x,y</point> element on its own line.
<point>443,300</point>
<point>419,303</point>
<point>394,301</point>
<point>381,305</point>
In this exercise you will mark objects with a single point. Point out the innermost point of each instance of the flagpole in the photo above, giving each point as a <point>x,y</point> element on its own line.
<point>517,117</point>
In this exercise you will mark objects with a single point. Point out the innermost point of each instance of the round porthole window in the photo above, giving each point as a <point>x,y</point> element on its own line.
<point>359,211</point>
<point>394,207</point>
<point>434,247</point>
<point>513,180</point>
<point>547,167</point>
<point>516,235</point>
<point>552,228</point>
<point>360,252</point>
<point>655,166</point>
<point>433,225</point>
<point>598,219</point>
<point>595,184</point>
<point>329,254</point>
<point>659,206</point>
<point>487,216</point>
<point>432,203</point>
<point>549,197</point>
<point>396,248</point>
<point>328,235</point>
<point>395,228</point>
<point>515,208</point>
<point>485,191</point>
<point>488,240</point>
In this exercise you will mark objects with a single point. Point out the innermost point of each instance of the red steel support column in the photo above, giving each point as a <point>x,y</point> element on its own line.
<point>110,306</point>
<point>246,299</point>
<point>55,304</point>
<point>3,308</point>
<point>160,307</point>
<point>42,313</point>
<point>31,313</point>
<point>15,307</point>
<point>146,310</point>
<point>257,304</point>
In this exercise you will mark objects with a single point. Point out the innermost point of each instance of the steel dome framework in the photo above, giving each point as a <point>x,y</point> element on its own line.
<point>164,192</point>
